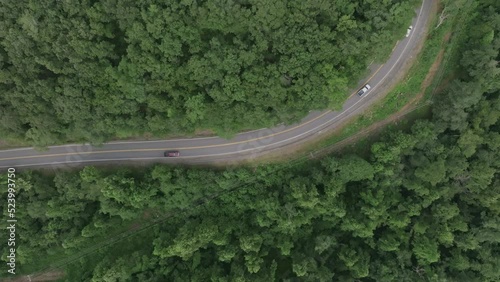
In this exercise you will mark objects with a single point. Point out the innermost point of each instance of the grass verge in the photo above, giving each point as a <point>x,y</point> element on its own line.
<point>409,100</point>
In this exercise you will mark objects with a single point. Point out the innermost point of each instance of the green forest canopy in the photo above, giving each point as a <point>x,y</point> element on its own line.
<point>94,70</point>
<point>425,206</point>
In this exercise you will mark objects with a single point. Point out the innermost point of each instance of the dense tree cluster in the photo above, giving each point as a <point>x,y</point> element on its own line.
<point>93,70</point>
<point>424,206</point>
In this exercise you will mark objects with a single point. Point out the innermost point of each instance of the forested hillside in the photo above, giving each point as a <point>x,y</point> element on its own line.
<point>423,207</point>
<point>94,70</point>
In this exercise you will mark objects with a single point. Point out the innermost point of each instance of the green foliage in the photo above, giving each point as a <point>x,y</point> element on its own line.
<point>423,206</point>
<point>92,71</point>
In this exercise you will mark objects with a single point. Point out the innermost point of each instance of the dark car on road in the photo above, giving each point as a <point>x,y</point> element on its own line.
<point>171,154</point>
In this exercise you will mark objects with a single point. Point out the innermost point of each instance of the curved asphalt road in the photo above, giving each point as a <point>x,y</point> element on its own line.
<point>244,145</point>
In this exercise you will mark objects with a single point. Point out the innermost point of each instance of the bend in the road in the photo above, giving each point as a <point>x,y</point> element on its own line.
<point>213,147</point>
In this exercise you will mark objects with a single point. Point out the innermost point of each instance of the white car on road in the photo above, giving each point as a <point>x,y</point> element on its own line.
<point>408,31</point>
<point>364,90</point>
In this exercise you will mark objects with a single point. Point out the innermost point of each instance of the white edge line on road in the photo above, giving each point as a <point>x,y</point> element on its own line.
<point>158,141</point>
<point>255,148</point>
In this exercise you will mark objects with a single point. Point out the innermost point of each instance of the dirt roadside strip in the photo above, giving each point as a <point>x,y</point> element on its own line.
<point>411,106</point>
<point>47,276</point>
<point>283,154</point>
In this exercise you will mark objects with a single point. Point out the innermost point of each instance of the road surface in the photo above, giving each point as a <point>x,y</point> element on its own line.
<point>242,146</point>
